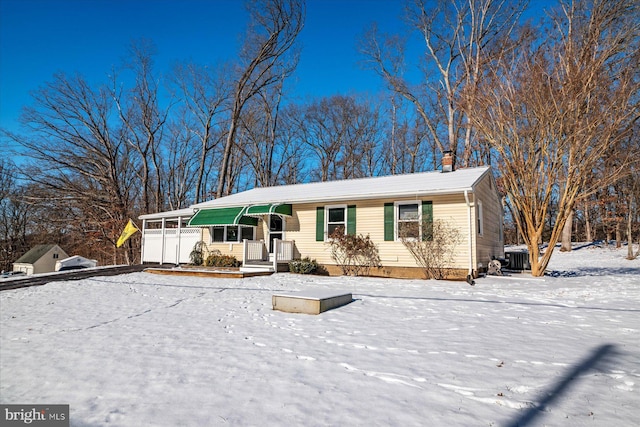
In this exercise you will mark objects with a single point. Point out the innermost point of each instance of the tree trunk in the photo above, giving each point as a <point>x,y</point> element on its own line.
<point>629,234</point>
<point>587,223</point>
<point>224,167</point>
<point>566,234</point>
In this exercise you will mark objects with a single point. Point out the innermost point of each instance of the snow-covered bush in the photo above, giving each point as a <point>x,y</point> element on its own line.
<point>303,266</point>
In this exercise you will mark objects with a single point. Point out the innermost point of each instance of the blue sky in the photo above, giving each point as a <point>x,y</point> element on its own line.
<point>41,37</point>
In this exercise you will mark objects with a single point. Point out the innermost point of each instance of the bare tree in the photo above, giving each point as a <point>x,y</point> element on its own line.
<point>180,165</point>
<point>144,120</point>
<point>457,37</point>
<point>313,124</point>
<point>205,94</point>
<point>79,160</point>
<point>405,149</point>
<point>273,29</point>
<point>344,135</point>
<point>259,131</point>
<point>14,216</point>
<point>556,109</point>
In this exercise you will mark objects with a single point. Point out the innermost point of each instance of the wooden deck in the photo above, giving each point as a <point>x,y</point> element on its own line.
<point>211,273</point>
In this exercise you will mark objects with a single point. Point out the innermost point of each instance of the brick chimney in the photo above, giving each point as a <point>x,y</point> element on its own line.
<point>447,161</point>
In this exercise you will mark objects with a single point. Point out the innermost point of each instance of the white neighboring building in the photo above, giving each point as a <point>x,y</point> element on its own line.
<point>40,259</point>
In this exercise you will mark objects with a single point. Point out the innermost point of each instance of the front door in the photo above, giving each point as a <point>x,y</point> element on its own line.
<point>276,226</point>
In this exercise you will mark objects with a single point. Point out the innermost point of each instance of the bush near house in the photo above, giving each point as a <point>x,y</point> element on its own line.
<point>303,266</point>
<point>435,251</point>
<point>354,254</point>
<point>198,253</point>
<point>218,260</point>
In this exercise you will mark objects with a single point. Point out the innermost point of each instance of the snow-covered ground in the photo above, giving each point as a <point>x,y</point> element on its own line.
<point>149,350</point>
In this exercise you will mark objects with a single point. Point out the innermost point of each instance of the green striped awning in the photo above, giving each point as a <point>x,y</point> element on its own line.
<point>274,208</point>
<point>221,216</point>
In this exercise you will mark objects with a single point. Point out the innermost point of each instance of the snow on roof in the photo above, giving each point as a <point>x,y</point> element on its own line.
<point>415,184</point>
<point>186,212</point>
<point>406,185</point>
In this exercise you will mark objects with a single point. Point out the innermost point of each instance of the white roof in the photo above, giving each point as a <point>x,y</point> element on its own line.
<point>416,184</point>
<point>77,260</point>
<point>186,212</point>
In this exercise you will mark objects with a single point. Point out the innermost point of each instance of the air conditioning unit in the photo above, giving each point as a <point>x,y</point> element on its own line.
<point>517,261</point>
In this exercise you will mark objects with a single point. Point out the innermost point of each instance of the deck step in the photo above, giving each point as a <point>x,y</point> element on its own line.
<point>258,262</point>
<point>256,268</point>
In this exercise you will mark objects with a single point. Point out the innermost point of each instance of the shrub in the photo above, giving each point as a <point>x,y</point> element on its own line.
<point>198,253</point>
<point>435,251</point>
<point>303,266</point>
<point>218,260</point>
<point>354,254</point>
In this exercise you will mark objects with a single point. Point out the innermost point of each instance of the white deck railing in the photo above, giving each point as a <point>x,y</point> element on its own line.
<point>256,250</point>
<point>253,250</point>
<point>283,250</point>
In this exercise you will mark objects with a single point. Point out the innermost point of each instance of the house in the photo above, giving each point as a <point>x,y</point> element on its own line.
<point>277,224</point>
<point>40,259</point>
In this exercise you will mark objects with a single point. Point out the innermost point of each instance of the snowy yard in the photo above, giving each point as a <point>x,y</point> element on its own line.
<point>149,350</point>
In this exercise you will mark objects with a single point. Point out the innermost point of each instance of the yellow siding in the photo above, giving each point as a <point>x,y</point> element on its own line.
<point>491,243</point>
<point>370,221</point>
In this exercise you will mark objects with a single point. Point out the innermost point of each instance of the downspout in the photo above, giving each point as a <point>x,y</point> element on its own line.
<point>470,275</point>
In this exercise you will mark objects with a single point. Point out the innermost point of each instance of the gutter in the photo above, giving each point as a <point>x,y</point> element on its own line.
<point>470,275</point>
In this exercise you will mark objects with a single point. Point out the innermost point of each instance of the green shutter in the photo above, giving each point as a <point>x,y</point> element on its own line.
<point>427,220</point>
<point>351,219</point>
<point>388,222</point>
<point>320,224</point>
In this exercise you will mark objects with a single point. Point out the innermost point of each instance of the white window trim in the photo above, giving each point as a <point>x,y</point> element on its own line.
<point>224,233</point>
<point>396,218</point>
<point>326,219</point>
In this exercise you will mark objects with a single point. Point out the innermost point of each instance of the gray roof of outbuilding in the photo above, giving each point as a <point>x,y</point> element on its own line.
<point>34,254</point>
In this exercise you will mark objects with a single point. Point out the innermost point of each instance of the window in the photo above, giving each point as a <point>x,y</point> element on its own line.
<point>336,219</point>
<point>247,233</point>
<point>217,234</point>
<point>408,220</point>
<point>332,218</point>
<point>408,223</point>
<point>231,233</point>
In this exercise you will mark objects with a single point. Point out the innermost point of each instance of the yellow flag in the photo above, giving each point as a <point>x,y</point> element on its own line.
<point>128,231</point>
